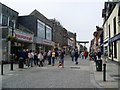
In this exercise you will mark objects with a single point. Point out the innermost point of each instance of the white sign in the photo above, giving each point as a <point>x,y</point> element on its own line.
<point>24,36</point>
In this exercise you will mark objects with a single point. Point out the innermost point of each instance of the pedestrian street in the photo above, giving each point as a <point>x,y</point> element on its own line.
<point>48,76</point>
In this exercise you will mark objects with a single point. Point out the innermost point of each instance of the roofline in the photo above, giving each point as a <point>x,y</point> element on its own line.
<point>9,7</point>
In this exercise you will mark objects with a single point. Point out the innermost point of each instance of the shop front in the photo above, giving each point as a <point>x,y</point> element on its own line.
<point>43,44</point>
<point>24,40</point>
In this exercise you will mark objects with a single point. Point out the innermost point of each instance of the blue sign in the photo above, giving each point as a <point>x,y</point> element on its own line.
<point>116,37</point>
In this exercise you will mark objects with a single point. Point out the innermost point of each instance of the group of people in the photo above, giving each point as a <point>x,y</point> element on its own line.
<point>95,55</point>
<point>84,54</point>
<point>74,55</point>
<point>30,57</point>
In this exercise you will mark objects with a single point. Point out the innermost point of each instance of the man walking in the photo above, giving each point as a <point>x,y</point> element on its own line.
<point>76,56</point>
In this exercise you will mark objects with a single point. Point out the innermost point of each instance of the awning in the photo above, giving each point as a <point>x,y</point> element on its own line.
<point>116,37</point>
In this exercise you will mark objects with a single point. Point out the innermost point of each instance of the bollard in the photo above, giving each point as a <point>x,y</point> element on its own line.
<point>104,72</point>
<point>11,68</point>
<point>2,67</point>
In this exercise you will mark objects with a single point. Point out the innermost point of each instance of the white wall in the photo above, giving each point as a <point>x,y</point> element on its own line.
<point>106,30</point>
<point>0,44</point>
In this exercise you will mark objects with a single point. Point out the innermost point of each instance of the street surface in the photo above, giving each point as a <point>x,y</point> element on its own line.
<point>71,76</point>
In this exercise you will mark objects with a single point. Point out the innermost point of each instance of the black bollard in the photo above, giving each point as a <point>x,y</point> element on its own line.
<point>11,65</point>
<point>104,72</point>
<point>2,67</point>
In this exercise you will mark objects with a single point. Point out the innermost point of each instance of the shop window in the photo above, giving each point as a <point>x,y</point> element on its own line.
<point>40,29</point>
<point>48,33</point>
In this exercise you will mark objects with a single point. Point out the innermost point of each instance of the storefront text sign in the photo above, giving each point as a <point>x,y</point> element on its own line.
<point>48,42</point>
<point>24,36</point>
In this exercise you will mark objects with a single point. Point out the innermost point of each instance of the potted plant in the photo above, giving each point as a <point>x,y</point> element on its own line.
<point>11,38</point>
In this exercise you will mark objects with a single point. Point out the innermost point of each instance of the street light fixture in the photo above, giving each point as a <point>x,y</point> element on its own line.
<point>12,43</point>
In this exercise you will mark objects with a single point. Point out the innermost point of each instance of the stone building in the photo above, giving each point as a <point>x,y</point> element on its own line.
<point>60,36</point>
<point>111,28</point>
<point>42,28</point>
<point>8,21</point>
<point>11,29</point>
<point>71,40</point>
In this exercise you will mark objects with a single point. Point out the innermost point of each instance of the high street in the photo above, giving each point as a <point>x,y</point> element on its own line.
<point>71,76</point>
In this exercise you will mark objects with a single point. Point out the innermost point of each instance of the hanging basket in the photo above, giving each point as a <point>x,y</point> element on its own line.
<point>11,38</point>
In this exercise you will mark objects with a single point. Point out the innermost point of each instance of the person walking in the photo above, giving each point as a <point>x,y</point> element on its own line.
<point>61,61</point>
<point>85,54</point>
<point>95,57</point>
<point>30,58</point>
<point>35,59</point>
<point>99,54</point>
<point>40,59</point>
<point>82,55</point>
<point>53,57</point>
<point>49,57</point>
<point>73,54</point>
<point>26,53</point>
<point>76,56</point>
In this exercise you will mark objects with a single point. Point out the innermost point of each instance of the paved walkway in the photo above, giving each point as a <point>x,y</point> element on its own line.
<point>112,74</point>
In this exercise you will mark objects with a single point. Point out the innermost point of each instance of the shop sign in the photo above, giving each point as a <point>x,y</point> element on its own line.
<point>116,37</point>
<point>23,36</point>
<point>47,42</point>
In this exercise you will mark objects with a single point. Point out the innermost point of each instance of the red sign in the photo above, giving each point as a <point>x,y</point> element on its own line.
<point>23,37</point>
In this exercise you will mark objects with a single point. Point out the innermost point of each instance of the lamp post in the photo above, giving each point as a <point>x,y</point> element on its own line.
<point>12,54</point>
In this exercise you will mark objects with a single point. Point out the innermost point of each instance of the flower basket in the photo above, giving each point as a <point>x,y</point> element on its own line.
<point>11,38</point>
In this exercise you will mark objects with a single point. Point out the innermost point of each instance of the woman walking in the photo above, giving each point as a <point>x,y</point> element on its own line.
<point>53,57</point>
<point>40,59</point>
<point>61,61</point>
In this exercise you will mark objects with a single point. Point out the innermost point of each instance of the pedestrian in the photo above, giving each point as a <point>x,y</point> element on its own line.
<point>82,55</point>
<point>95,56</point>
<point>49,54</point>
<point>40,58</point>
<point>85,54</point>
<point>99,54</point>
<point>35,58</point>
<point>73,54</point>
<point>61,61</point>
<point>76,56</point>
<point>44,56</point>
<point>53,57</point>
<point>27,51</point>
<point>56,54</point>
<point>30,59</point>
<point>22,56</point>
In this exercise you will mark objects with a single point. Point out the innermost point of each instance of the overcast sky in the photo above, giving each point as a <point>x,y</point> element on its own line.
<point>80,16</point>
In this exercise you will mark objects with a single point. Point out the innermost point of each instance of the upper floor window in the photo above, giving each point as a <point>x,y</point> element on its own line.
<point>40,29</point>
<point>48,33</point>
<point>4,20</point>
<point>12,23</point>
<point>114,25</point>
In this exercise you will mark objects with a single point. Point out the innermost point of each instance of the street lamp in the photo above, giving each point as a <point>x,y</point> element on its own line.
<point>12,43</point>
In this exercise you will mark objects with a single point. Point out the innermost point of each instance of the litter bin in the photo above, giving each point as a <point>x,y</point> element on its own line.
<point>21,63</point>
<point>99,65</point>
